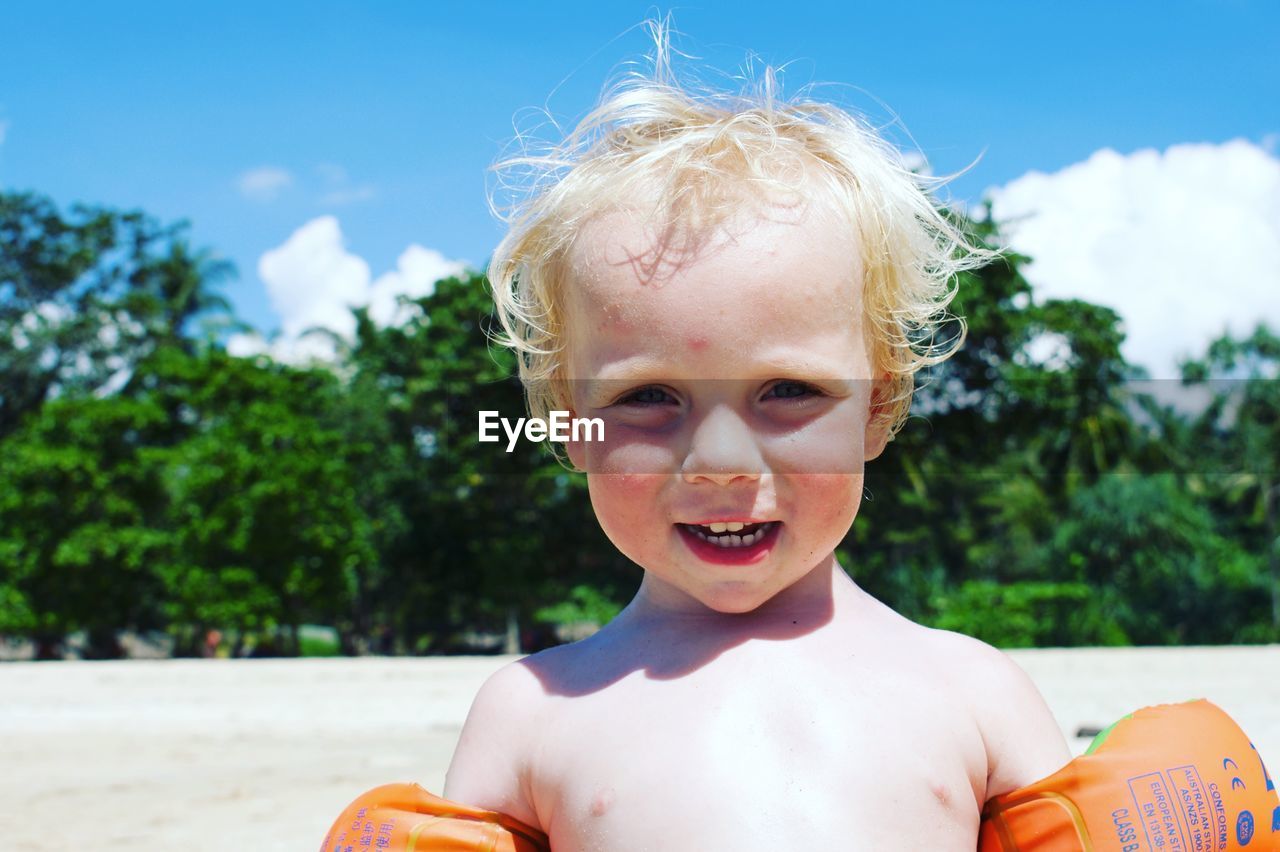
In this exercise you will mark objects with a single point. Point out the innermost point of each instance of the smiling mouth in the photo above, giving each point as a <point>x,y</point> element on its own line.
<point>730,535</point>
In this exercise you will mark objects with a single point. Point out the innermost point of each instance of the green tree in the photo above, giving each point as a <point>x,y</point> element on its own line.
<point>85,296</point>
<point>172,290</point>
<point>469,536</point>
<point>1158,567</point>
<point>81,523</point>
<point>998,440</point>
<point>261,497</point>
<point>1233,446</point>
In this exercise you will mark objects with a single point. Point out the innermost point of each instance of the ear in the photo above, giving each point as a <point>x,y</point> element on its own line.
<point>877,434</point>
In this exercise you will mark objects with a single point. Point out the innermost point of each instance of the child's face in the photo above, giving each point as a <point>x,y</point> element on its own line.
<point>733,380</point>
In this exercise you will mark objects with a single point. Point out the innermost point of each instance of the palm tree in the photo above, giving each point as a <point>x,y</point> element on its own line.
<point>178,286</point>
<point>1242,430</point>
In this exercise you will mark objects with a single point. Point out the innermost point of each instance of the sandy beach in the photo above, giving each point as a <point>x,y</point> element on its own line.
<point>209,755</point>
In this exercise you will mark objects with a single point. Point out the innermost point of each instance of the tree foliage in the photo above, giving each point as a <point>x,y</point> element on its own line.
<point>84,297</point>
<point>150,480</point>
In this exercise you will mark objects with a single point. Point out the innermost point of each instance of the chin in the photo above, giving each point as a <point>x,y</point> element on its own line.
<point>731,604</point>
<point>730,609</point>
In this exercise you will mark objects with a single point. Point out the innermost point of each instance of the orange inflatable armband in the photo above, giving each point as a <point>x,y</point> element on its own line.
<point>1170,778</point>
<point>406,818</point>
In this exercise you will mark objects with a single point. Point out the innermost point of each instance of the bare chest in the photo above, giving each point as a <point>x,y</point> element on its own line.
<point>758,752</point>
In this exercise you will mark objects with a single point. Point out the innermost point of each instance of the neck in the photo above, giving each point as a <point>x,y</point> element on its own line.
<point>663,634</point>
<point>820,596</point>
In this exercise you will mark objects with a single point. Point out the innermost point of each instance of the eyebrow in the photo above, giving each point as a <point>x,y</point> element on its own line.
<point>613,378</point>
<point>787,364</point>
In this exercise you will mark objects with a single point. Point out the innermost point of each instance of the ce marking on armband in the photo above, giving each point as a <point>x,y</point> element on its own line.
<point>1244,822</point>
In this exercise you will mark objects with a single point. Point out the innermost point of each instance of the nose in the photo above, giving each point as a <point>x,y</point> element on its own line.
<point>723,449</point>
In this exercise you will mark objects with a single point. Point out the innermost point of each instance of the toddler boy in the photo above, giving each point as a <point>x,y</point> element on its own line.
<point>742,290</point>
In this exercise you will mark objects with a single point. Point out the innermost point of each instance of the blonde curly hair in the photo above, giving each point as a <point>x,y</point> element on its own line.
<point>698,148</point>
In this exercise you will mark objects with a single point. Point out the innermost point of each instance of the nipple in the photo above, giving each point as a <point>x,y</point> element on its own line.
<point>941,793</point>
<point>602,801</point>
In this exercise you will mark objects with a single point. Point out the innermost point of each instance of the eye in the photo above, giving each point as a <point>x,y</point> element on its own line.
<point>646,396</point>
<point>790,389</point>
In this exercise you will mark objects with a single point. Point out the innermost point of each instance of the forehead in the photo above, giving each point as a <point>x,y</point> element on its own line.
<point>767,276</point>
<point>622,255</point>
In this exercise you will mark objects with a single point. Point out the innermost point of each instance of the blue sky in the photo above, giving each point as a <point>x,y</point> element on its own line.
<point>385,115</point>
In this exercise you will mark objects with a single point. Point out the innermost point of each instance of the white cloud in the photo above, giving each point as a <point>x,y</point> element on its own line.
<point>349,195</point>
<point>264,184</point>
<point>302,351</point>
<point>340,188</point>
<point>333,173</point>
<point>416,273</point>
<point>329,185</point>
<point>313,281</point>
<point>1184,244</point>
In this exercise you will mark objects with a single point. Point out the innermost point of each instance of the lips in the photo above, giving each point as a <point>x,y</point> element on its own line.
<point>721,549</point>
<point>730,534</point>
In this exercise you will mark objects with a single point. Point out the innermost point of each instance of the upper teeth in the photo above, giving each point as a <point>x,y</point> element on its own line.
<point>727,534</point>
<point>731,526</point>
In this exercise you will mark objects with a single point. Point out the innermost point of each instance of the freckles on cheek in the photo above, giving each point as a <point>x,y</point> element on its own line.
<point>622,501</point>
<point>621,486</point>
<point>839,494</point>
<point>620,457</point>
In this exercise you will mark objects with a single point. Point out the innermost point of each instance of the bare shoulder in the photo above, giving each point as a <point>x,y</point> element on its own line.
<point>490,766</point>
<point>1023,740</point>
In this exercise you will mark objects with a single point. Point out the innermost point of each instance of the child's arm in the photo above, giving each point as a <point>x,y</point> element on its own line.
<point>1024,742</point>
<point>490,767</point>
<point>485,806</point>
<point>1172,776</point>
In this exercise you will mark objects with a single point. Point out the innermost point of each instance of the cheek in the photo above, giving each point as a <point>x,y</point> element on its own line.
<point>831,443</point>
<point>621,501</point>
<point>827,446</point>
<point>831,500</point>
<point>630,452</point>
